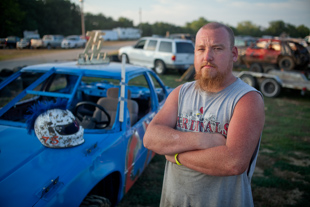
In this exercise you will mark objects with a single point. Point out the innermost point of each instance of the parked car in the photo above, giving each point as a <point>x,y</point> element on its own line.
<point>24,43</point>
<point>160,53</point>
<point>269,54</point>
<point>104,161</point>
<point>9,42</point>
<point>73,41</point>
<point>2,42</point>
<point>36,43</point>
<point>52,41</point>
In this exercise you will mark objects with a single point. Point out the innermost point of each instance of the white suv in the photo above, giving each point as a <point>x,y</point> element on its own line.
<point>160,53</point>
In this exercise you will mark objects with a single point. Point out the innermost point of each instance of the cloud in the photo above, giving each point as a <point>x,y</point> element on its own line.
<point>259,12</point>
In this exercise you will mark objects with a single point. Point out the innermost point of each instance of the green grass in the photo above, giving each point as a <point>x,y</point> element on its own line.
<point>9,54</point>
<point>285,149</point>
<point>284,157</point>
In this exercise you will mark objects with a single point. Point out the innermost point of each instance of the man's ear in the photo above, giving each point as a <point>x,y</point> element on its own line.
<point>235,53</point>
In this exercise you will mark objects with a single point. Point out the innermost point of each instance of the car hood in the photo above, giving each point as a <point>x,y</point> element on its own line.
<point>126,48</point>
<point>17,147</point>
<point>20,150</point>
<point>27,167</point>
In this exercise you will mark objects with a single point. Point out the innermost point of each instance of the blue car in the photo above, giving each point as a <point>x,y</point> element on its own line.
<point>112,104</point>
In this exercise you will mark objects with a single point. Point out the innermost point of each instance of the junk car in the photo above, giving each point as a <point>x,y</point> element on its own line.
<point>112,102</point>
<point>269,54</point>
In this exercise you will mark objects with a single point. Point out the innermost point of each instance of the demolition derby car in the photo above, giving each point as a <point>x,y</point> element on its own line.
<point>72,134</point>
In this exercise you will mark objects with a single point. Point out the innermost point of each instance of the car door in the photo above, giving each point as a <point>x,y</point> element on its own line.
<point>149,53</point>
<point>165,52</point>
<point>257,52</point>
<point>136,55</point>
<point>149,100</point>
<point>272,52</point>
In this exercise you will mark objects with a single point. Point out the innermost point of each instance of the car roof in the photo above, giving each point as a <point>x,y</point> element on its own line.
<point>112,69</point>
<point>267,39</point>
<point>167,38</point>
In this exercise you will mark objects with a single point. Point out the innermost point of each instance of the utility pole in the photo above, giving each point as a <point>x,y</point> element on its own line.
<point>140,16</point>
<point>82,19</point>
<point>140,19</point>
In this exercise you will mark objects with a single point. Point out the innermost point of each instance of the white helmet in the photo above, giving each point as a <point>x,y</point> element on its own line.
<point>57,128</point>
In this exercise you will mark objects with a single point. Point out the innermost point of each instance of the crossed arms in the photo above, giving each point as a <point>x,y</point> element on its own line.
<point>209,153</point>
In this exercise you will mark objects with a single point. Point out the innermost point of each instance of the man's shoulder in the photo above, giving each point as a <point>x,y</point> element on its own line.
<point>187,87</point>
<point>244,87</point>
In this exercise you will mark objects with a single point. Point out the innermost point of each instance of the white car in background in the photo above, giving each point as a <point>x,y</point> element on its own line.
<point>73,41</point>
<point>160,54</point>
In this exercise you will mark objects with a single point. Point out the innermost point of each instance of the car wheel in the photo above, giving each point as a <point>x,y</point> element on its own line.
<point>95,201</point>
<point>255,67</point>
<point>286,63</point>
<point>270,88</point>
<point>160,67</point>
<point>269,68</point>
<point>250,80</point>
<point>126,58</point>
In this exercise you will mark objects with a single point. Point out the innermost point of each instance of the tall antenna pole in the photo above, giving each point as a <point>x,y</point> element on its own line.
<point>82,19</point>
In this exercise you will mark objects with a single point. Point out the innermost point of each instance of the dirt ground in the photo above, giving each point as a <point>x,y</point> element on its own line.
<point>270,196</point>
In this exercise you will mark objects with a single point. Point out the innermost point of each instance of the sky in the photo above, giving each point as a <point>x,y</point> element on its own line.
<point>180,12</point>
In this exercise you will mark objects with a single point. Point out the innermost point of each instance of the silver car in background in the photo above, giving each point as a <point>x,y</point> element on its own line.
<point>160,54</point>
<point>73,41</point>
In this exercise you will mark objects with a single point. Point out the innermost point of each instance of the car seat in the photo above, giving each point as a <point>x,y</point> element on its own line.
<point>110,103</point>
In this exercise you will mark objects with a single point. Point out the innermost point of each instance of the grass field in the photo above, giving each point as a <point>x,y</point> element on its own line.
<point>282,174</point>
<point>9,54</point>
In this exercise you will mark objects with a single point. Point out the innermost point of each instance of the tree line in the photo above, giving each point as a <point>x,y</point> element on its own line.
<point>64,17</point>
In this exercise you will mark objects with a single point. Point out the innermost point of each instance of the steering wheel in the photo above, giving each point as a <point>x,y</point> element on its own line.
<point>80,115</point>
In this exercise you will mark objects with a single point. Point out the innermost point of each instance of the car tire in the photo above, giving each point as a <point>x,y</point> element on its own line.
<point>95,201</point>
<point>256,67</point>
<point>269,68</point>
<point>160,67</point>
<point>126,58</point>
<point>250,80</point>
<point>286,63</point>
<point>270,88</point>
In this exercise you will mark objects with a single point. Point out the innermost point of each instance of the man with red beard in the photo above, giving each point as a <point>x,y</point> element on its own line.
<point>209,130</point>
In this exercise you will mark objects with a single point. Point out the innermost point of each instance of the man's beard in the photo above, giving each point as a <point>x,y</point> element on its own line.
<point>207,82</point>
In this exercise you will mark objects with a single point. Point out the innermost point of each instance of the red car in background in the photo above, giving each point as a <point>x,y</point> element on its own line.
<point>269,54</point>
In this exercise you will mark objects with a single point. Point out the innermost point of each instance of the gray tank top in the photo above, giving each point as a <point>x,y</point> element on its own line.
<point>207,112</point>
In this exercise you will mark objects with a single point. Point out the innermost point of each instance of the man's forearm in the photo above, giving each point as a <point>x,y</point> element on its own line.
<point>217,161</point>
<point>165,140</point>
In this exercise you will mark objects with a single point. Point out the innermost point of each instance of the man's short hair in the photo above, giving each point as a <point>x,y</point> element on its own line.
<point>216,25</point>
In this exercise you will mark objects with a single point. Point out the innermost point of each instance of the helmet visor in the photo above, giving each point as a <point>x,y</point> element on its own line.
<point>68,129</point>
